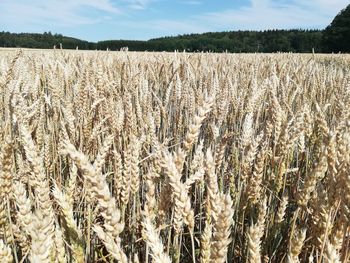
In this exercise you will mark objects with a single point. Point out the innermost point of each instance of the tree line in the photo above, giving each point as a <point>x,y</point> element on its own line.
<point>335,38</point>
<point>239,41</point>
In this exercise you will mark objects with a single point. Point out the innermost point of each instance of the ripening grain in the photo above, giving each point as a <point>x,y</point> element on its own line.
<point>174,157</point>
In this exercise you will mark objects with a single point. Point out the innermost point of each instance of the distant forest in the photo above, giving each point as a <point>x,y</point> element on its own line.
<point>335,38</point>
<point>239,41</point>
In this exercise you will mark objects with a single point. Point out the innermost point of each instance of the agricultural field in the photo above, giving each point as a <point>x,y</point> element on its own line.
<point>174,157</point>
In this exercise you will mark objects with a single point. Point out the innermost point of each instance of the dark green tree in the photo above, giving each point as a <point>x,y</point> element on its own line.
<point>336,37</point>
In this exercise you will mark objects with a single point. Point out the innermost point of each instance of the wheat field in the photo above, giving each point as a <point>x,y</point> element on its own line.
<point>174,157</point>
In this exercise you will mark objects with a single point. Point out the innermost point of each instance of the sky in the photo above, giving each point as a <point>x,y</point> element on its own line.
<point>96,20</point>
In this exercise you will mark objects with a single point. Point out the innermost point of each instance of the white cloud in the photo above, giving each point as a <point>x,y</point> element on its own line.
<point>138,4</point>
<point>274,14</point>
<point>44,15</point>
<point>42,12</point>
<point>103,5</point>
<point>148,29</point>
<point>168,27</point>
<point>330,7</point>
<point>191,2</point>
<point>257,15</point>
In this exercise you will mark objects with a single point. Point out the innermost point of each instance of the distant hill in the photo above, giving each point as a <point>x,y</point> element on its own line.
<point>336,37</point>
<point>245,41</point>
<point>45,40</point>
<point>234,41</point>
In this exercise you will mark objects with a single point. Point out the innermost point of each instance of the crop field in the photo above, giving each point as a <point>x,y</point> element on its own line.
<point>174,157</point>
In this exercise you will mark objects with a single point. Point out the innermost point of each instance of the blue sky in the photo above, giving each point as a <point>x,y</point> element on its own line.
<point>144,19</point>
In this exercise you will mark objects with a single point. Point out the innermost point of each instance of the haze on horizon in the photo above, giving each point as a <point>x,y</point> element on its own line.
<point>95,20</point>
